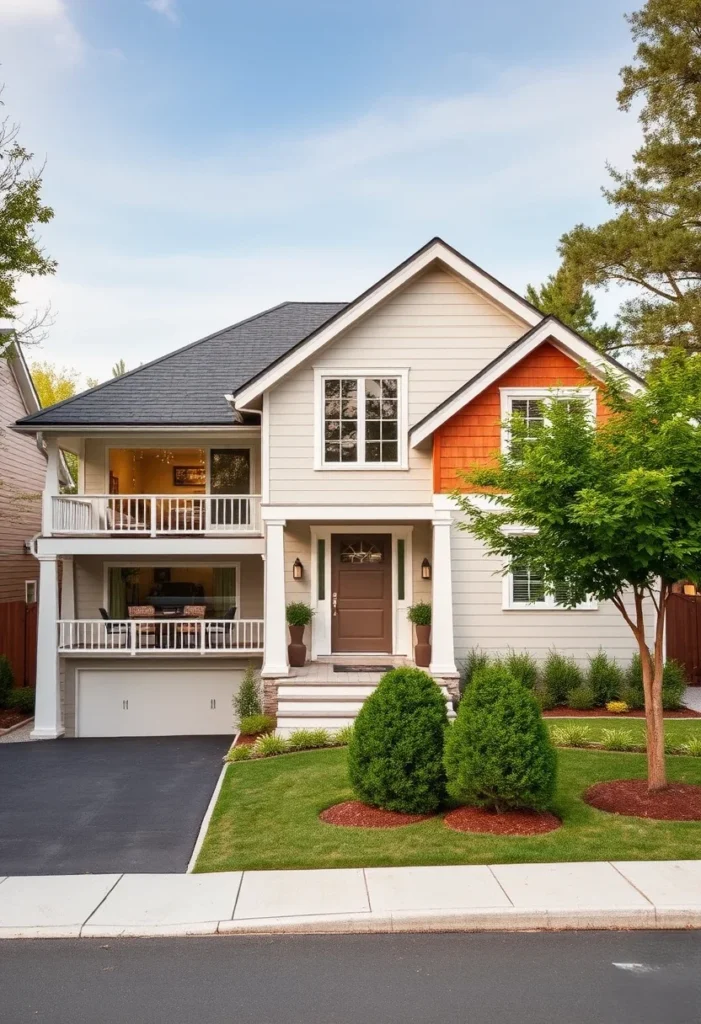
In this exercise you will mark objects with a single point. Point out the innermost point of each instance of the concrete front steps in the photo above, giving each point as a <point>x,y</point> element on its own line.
<point>327,704</point>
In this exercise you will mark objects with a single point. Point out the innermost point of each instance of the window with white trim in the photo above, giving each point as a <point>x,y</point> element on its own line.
<point>361,421</point>
<point>531,404</point>
<point>524,589</point>
<point>30,591</point>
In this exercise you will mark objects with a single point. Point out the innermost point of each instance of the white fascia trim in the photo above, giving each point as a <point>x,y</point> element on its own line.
<point>471,274</point>
<point>447,503</point>
<point>565,340</point>
<point>348,513</point>
<point>322,373</point>
<point>130,547</point>
<point>87,429</point>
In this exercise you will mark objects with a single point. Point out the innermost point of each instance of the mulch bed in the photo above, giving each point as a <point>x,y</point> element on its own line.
<point>355,814</point>
<point>246,741</point>
<point>509,823</point>
<point>9,718</point>
<point>680,801</point>
<point>603,713</point>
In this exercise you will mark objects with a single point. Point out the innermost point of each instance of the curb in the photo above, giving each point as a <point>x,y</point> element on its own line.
<point>494,920</point>
<point>17,725</point>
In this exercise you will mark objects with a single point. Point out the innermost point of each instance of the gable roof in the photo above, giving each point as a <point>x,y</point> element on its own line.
<point>187,387</point>
<point>435,251</point>
<point>549,329</point>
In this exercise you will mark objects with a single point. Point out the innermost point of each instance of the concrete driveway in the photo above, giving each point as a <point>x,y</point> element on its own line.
<point>105,805</point>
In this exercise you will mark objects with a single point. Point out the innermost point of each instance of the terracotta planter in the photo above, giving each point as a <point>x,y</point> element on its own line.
<point>296,651</point>
<point>422,650</point>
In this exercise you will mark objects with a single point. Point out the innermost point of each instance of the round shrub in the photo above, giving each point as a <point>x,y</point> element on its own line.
<point>542,696</point>
<point>21,699</point>
<point>498,752</point>
<point>523,667</point>
<point>606,679</point>
<point>395,756</point>
<point>7,679</point>
<point>560,675</point>
<point>581,698</point>
<point>253,725</point>
<point>673,685</point>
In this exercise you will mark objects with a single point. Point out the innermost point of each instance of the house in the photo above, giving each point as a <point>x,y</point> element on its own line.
<point>305,454</point>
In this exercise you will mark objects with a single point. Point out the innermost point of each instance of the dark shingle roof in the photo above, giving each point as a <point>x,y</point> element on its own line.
<point>188,386</point>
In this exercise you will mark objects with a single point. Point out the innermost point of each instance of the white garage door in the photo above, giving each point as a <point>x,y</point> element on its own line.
<point>160,702</point>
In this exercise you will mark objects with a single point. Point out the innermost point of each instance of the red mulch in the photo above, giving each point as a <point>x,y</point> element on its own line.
<point>509,823</point>
<point>246,741</point>
<point>602,712</point>
<point>9,718</point>
<point>355,814</point>
<point>680,801</point>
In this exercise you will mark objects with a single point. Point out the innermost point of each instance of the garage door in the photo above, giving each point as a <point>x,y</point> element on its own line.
<point>160,702</point>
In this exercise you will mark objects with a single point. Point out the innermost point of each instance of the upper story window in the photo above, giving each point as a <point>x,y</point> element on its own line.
<point>531,404</point>
<point>361,421</point>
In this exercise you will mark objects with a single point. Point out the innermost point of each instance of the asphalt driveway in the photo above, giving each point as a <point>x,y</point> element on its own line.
<point>105,805</point>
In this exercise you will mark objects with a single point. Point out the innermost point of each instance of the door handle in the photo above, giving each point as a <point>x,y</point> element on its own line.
<point>334,601</point>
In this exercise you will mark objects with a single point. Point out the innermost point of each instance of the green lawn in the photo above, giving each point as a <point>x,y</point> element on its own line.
<point>267,817</point>
<point>676,730</point>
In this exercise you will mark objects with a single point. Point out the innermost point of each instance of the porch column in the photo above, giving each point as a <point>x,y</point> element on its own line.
<point>51,487</point>
<point>47,716</point>
<point>443,646</point>
<point>67,588</point>
<point>275,644</point>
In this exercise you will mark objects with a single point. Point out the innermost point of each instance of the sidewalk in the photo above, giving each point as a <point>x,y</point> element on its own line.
<point>507,897</point>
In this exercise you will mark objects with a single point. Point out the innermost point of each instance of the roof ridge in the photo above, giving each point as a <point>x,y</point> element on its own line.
<point>154,362</point>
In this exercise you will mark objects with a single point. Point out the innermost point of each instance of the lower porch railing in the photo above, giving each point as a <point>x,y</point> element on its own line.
<point>146,636</point>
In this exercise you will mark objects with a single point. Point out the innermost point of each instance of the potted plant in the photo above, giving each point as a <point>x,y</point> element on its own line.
<point>420,615</point>
<point>299,615</point>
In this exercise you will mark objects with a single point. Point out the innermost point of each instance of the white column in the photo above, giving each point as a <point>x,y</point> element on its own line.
<point>275,658</point>
<point>67,588</point>
<point>50,484</point>
<point>47,714</point>
<point>442,641</point>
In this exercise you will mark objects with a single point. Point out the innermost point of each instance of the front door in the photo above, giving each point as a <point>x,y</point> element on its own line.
<point>361,598</point>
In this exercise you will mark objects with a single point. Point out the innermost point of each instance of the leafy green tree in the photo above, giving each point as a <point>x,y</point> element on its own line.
<point>653,241</point>
<point>611,511</point>
<point>119,368</point>
<point>21,210</point>
<point>56,384</point>
<point>567,299</point>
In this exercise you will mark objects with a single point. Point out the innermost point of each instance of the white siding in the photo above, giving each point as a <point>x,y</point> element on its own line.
<point>480,621</point>
<point>441,329</point>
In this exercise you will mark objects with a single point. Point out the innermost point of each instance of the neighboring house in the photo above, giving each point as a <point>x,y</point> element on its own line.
<point>308,454</point>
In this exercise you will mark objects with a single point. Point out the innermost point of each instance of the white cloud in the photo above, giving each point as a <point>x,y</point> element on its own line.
<point>164,7</point>
<point>49,17</point>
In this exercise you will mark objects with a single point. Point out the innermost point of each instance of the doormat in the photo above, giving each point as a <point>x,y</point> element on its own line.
<point>363,668</point>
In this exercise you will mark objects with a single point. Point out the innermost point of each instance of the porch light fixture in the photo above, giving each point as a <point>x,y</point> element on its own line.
<point>425,569</point>
<point>297,569</point>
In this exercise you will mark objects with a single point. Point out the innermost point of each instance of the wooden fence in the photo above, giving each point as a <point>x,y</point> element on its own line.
<point>684,634</point>
<point>18,639</point>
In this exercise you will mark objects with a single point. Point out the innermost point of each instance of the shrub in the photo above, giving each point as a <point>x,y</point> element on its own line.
<point>254,724</point>
<point>542,696</point>
<point>7,679</point>
<point>581,698</point>
<point>605,677</point>
<point>571,735</point>
<point>269,744</point>
<point>560,675</point>
<point>309,739</point>
<point>617,707</point>
<point>239,754</point>
<point>298,613</point>
<point>247,700</point>
<point>617,739</point>
<point>21,700</point>
<point>395,756</point>
<point>474,661</point>
<point>524,668</point>
<point>343,736</point>
<point>673,685</point>
<point>420,613</point>
<point>498,752</point>
<point>692,747</point>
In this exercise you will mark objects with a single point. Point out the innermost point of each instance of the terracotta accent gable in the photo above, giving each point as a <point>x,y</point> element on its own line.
<point>474,434</point>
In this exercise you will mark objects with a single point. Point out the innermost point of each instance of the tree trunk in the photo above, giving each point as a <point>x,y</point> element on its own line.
<point>653,668</point>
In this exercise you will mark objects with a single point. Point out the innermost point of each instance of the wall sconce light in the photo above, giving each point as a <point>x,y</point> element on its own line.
<point>297,569</point>
<point>425,569</point>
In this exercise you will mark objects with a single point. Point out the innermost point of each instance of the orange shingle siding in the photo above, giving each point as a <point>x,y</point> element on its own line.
<point>472,435</point>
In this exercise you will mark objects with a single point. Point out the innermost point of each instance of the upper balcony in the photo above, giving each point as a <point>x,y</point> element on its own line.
<point>154,515</point>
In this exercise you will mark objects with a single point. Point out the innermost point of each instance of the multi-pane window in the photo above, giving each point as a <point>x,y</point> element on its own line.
<point>526,590</point>
<point>361,420</point>
<point>532,409</point>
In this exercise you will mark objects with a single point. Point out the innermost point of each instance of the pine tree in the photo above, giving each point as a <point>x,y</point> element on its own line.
<point>567,299</point>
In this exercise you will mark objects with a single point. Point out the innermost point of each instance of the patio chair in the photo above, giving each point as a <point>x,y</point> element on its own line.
<point>117,632</point>
<point>219,633</point>
<point>146,632</point>
<point>190,631</point>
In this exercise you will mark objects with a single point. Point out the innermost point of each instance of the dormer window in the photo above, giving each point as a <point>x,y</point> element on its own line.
<point>531,405</point>
<point>360,421</point>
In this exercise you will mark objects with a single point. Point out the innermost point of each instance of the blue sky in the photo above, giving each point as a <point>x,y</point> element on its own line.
<point>209,158</point>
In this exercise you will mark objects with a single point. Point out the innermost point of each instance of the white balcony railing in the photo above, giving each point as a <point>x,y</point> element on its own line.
<point>149,636</point>
<point>155,515</point>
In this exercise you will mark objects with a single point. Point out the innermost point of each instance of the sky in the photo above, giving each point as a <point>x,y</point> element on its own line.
<point>207,159</point>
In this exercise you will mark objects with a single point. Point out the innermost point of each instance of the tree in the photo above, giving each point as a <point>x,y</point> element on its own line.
<point>568,300</point>
<point>53,383</point>
<point>119,368</point>
<point>653,241</point>
<point>21,210</point>
<point>610,511</point>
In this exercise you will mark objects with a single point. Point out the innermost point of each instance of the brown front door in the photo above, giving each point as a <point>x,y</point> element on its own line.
<point>361,595</point>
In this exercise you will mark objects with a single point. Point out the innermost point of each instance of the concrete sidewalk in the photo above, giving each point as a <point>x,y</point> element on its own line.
<point>506,897</point>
